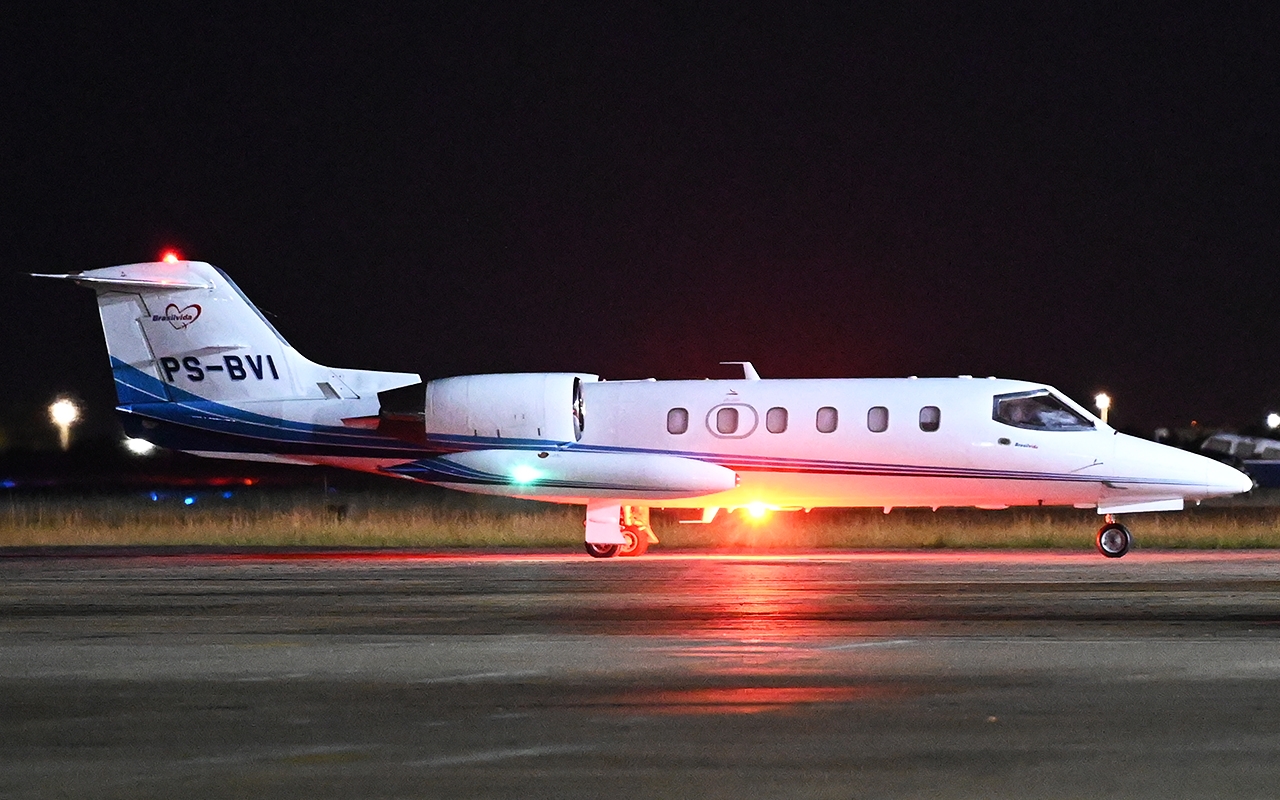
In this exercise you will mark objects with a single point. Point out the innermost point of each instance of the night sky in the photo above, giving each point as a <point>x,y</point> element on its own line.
<point>1069,195</point>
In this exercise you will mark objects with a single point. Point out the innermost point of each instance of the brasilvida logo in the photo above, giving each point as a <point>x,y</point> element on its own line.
<point>179,318</point>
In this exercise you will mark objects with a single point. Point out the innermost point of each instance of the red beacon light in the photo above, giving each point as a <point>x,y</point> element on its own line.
<point>170,257</point>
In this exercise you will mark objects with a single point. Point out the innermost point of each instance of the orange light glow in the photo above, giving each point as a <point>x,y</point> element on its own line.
<point>757,510</point>
<point>170,257</point>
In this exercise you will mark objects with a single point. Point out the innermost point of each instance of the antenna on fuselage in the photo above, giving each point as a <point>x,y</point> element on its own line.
<point>748,371</point>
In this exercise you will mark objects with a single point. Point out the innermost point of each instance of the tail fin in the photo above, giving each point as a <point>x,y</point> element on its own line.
<point>180,329</point>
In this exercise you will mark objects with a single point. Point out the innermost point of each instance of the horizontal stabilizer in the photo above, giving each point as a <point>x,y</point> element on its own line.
<point>123,283</point>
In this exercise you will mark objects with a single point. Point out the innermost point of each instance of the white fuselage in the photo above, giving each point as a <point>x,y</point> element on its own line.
<point>970,459</point>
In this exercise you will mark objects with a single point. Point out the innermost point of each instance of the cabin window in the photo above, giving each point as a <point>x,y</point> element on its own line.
<point>1038,410</point>
<point>678,420</point>
<point>727,420</point>
<point>930,418</point>
<point>775,420</point>
<point>878,419</point>
<point>732,421</point>
<point>828,419</point>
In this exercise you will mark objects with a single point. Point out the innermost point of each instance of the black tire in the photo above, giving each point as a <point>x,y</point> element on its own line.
<point>1114,540</point>
<point>602,550</point>
<point>637,542</point>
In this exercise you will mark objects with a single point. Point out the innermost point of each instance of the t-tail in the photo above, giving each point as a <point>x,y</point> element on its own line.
<point>188,348</point>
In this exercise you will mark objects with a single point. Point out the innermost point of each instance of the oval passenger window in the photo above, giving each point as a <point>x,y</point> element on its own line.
<point>828,419</point>
<point>878,419</point>
<point>930,418</point>
<point>727,420</point>
<point>678,420</point>
<point>775,421</point>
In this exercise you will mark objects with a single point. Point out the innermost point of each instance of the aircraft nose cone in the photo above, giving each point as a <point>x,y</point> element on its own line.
<point>1222,479</point>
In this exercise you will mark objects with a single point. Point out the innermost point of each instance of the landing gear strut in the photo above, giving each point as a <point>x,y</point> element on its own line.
<point>1114,539</point>
<point>636,531</point>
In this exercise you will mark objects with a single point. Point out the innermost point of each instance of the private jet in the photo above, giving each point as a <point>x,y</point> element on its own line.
<point>198,368</point>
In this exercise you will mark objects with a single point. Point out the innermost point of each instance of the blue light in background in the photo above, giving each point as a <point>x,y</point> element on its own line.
<point>188,500</point>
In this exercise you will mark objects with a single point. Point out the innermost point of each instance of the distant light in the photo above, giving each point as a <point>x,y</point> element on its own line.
<point>757,509</point>
<point>1273,420</point>
<point>8,484</point>
<point>227,495</point>
<point>188,500</point>
<point>1103,401</point>
<point>139,447</point>
<point>170,257</point>
<point>523,473</point>
<point>155,497</point>
<point>64,413</point>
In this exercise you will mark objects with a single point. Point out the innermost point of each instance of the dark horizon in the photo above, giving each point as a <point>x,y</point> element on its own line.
<point>1072,196</point>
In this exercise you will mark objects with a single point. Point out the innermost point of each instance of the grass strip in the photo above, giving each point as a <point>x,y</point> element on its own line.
<point>302,520</point>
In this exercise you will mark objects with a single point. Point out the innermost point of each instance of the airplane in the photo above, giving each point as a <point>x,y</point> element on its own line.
<point>198,368</point>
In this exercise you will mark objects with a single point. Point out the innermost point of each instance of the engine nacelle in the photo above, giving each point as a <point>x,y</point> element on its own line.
<point>526,405</point>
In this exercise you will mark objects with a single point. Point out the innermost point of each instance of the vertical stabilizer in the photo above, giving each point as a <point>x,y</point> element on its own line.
<point>183,330</point>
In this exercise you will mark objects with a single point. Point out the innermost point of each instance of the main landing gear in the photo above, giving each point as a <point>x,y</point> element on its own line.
<point>602,550</point>
<point>1114,539</point>
<point>633,524</point>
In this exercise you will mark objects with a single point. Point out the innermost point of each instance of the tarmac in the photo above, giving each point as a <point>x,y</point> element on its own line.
<point>155,673</point>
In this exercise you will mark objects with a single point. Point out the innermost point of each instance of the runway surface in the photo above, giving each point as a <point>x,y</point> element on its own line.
<point>984,674</point>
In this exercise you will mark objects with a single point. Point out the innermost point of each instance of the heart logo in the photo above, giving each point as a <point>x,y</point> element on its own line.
<point>180,318</point>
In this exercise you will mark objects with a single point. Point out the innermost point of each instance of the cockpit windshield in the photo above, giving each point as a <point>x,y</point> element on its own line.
<point>1038,410</point>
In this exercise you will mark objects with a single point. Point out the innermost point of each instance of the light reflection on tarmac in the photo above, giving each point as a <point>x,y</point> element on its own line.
<point>939,674</point>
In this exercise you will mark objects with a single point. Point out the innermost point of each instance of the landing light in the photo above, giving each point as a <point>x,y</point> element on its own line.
<point>1273,420</point>
<point>523,473</point>
<point>757,510</point>
<point>139,447</point>
<point>170,257</point>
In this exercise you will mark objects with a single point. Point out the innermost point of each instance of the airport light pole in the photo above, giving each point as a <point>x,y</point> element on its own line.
<point>64,413</point>
<point>1103,401</point>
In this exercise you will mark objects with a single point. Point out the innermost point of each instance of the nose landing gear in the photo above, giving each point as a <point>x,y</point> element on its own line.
<point>1114,539</point>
